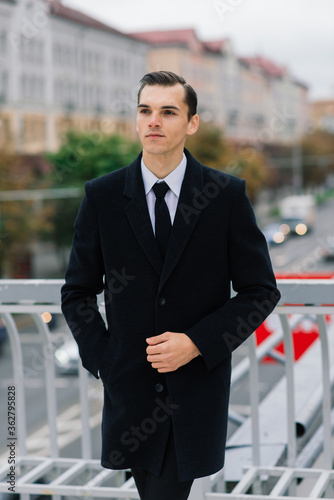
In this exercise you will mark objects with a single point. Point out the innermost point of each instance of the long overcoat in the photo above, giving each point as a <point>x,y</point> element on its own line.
<point>215,244</point>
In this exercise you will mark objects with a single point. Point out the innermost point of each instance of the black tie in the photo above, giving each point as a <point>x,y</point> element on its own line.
<point>162,217</point>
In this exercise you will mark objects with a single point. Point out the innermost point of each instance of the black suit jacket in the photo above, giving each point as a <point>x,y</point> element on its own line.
<point>214,243</point>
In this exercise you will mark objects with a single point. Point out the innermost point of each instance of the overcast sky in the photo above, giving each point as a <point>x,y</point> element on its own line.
<point>298,34</point>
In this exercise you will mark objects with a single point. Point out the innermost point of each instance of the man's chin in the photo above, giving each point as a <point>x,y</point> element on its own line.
<point>155,150</point>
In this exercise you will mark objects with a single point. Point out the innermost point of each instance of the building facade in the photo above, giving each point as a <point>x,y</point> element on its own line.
<point>252,99</point>
<point>323,115</point>
<point>61,69</point>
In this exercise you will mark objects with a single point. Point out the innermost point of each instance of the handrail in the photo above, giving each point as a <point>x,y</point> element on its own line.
<point>313,298</point>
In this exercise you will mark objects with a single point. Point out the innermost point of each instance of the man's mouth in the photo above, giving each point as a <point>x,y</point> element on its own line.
<point>152,135</point>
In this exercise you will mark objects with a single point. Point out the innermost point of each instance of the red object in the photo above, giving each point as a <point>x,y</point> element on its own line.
<point>303,335</point>
<point>305,276</point>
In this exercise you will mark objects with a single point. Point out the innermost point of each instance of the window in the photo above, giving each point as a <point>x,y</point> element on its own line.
<point>3,41</point>
<point>5,134</point>
<point>232,119</point>
<point>23,87</point>
<point>3,87</point>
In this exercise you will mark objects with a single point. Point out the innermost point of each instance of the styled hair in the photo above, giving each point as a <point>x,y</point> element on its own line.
<point>169,79</point>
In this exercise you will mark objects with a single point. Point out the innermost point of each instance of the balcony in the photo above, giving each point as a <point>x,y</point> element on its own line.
<point>282,449</point>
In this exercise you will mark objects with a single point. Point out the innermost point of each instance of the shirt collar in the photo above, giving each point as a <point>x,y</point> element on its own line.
<point>174,179</point>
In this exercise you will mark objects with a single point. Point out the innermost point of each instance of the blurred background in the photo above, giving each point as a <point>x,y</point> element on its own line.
<point>69,76</point>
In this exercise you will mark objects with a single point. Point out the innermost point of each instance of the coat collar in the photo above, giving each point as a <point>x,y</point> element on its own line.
<point>185,220</point>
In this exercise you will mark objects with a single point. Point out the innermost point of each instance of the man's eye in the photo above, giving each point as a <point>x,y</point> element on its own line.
<point>169,112</point>
<point>144,111</point>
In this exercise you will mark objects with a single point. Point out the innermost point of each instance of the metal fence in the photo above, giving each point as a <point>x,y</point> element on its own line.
<point>271,454</point>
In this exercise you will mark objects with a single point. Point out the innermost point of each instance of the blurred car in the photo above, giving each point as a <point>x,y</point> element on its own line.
<point>295,226</point>
<point>67,358</point>
<point>274,233</point>
<point>327,250</point>
<point>298,213</point>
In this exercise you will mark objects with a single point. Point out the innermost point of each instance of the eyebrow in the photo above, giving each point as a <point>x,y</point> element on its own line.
<point>162,107</point>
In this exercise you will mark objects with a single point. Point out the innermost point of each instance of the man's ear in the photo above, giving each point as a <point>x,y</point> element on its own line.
<point>193,125</point>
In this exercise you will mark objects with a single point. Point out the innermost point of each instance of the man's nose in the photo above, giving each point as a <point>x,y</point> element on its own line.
<point>154,121</point>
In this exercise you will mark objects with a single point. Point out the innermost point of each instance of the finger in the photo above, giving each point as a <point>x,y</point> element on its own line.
<point>160,366</point>
<point>154,358</point>
<point>154,349</point>
<point>157,339</point>
<point>166,369</point>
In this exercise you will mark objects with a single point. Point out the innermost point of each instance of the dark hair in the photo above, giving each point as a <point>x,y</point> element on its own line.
<point>168,79</point>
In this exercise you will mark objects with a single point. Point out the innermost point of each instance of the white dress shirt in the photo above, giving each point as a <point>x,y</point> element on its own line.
<point>174,181</point>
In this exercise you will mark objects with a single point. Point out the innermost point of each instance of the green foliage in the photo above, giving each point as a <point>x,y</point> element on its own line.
<point>316,145</point>
<point>82,157</point>
<point>85,156</point>
<point>22,222</point>
<point>209,146</point>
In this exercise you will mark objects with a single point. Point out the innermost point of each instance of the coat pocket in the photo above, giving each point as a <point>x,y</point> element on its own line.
<point>108,358</point>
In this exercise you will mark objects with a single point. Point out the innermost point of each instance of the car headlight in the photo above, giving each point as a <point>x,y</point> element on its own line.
<point>301,229</point>
<point>278,237</point>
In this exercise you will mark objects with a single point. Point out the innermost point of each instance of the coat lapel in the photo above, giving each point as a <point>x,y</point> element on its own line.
<point>138,215</point>
<point>186,217</point>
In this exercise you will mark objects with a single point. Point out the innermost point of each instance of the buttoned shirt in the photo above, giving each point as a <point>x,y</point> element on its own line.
<point>174,181</point>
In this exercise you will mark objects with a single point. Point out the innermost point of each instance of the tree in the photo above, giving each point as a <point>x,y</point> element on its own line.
<point>83,156</point>
<point>318,152</point>
<point>22,222</point>
<point>211,148</point>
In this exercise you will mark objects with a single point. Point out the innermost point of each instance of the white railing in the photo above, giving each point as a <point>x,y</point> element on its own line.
<point>274,462</point>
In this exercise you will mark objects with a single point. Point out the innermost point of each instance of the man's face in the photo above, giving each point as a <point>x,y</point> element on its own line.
<point>162,119</point>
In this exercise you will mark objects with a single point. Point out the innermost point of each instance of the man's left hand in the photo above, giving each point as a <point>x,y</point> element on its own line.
<point>170,350</point>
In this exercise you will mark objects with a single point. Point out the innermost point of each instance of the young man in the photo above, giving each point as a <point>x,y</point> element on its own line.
<point>165,237</point>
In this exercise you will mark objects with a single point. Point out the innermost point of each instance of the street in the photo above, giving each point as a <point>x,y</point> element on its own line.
<point>302,254</point>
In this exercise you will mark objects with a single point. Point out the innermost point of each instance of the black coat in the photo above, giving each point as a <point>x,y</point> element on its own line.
<point>214,242</point>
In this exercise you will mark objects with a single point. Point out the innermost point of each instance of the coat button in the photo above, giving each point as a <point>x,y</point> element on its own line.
<point>162,301</point>
<point>159,387</point>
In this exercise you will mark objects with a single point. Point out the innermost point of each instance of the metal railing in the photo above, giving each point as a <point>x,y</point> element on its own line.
<point>274,462</point>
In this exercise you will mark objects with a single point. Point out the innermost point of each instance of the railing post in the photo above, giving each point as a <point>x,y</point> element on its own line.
<point>51,397</point>
<point>17,360</point>
<point>289,366</point>
<point>86,442</point>
<point>326,396</point>
<point>254,398</point>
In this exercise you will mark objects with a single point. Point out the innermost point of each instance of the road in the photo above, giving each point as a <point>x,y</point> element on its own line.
<point>302,254</point>
<point>297,254</point>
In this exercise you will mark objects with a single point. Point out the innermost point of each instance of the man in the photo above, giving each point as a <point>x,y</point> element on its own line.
<point>166,261</point>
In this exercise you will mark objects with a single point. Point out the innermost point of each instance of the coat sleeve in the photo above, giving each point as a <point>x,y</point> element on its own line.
<point>84,280</point>
<point>253,280</point>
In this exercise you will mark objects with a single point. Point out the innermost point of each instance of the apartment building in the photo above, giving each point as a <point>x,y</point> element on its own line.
<point>252,99</point>
<point>182,52</point>
<point>323,115</point>
<point>61,69</point>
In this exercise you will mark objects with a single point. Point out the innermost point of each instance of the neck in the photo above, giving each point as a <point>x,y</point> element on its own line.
<point>162,165</point>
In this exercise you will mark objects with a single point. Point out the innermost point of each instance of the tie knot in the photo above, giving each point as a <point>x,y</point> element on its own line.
<point>160,189</point>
